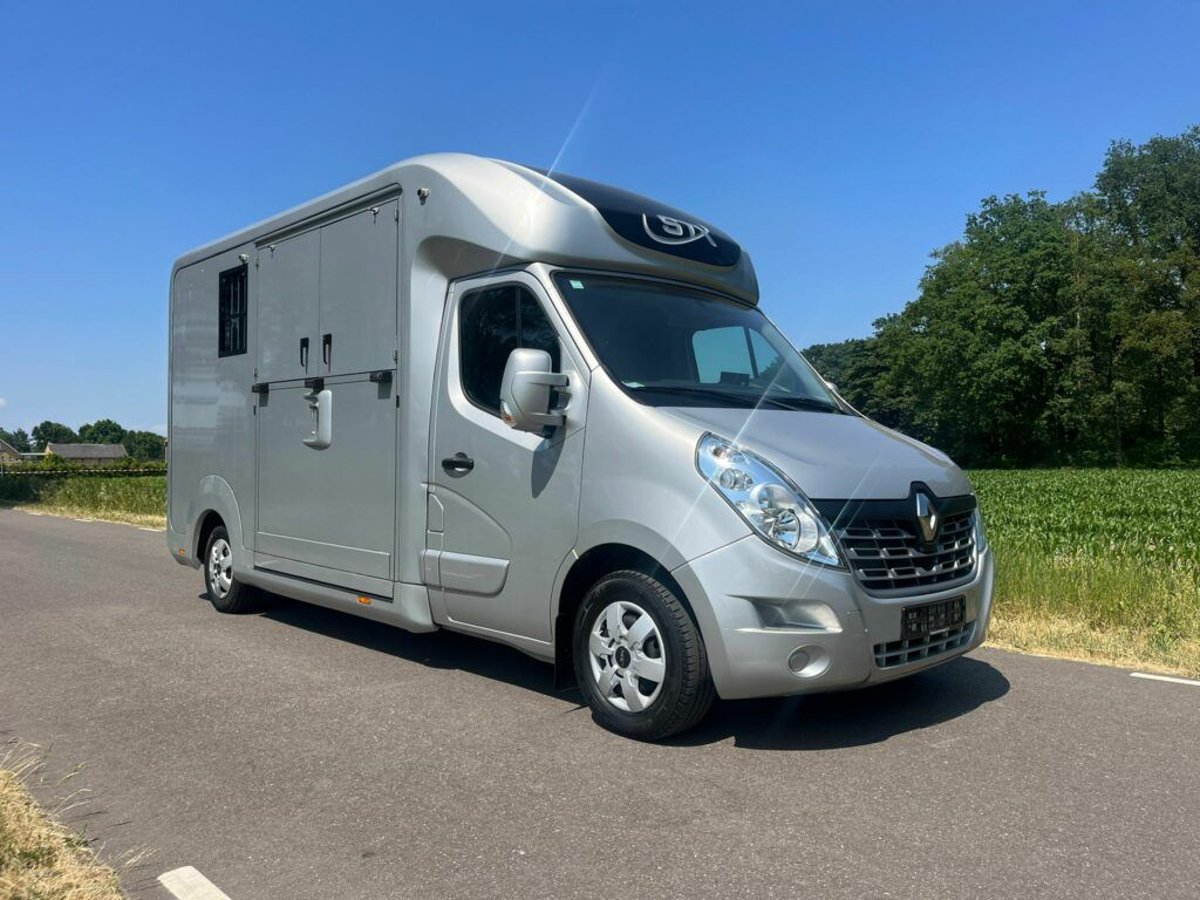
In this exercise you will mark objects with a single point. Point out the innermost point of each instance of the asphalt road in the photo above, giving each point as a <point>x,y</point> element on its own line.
<point>302,753</point>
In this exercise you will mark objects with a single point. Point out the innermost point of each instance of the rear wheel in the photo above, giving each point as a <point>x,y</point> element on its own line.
<point>225,592</point>
<point>639,658</point>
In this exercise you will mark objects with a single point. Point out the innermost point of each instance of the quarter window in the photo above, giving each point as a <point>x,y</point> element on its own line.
<point>492,323</point>
<point>231,312</point>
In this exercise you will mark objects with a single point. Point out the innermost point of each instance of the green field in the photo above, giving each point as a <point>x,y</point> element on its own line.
<point>1093,563</point>
<point>1097,563</point>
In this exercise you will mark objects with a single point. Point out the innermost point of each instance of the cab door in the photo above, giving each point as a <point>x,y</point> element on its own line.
<point>503,504</point>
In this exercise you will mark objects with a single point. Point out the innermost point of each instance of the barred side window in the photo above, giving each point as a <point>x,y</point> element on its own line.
<point>231,316</point>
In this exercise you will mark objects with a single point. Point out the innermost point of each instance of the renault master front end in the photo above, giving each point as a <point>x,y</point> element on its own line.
<point>838,553</point>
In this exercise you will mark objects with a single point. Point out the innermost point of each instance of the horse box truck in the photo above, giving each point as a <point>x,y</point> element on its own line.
<point>463,393</point>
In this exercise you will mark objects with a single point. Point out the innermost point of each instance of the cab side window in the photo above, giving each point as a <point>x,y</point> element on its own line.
<point>492,323</point>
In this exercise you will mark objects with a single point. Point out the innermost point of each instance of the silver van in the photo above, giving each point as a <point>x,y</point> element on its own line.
<point>463,393</point>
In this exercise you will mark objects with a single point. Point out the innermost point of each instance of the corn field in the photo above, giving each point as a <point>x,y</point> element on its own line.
<point>1116,552</point>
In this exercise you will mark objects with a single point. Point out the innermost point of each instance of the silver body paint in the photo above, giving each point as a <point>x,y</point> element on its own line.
<point>373,524</point>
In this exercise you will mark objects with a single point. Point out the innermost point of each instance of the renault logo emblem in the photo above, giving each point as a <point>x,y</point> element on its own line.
<point>927,518</point>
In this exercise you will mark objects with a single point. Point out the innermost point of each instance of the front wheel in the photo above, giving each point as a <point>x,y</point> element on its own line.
<point>639,658</point>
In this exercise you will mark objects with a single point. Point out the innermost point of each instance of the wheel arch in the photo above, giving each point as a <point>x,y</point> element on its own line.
<point>589,568</point>
<point>215,504</point>
<point>209,520</point>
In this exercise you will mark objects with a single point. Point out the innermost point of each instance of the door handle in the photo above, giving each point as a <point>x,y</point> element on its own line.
<point>304,354</point>
<point>327,349</point>
<point>458,465</point>
<point>321,404</point>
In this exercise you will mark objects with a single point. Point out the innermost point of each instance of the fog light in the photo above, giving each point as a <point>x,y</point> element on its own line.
<point>809,662</point>
<point>798,660</point>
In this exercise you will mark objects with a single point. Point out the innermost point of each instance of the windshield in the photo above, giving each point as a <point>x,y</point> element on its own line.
<point>669,345</point>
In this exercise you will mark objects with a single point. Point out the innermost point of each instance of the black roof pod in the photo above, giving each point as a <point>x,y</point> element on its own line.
<point>650,224</point>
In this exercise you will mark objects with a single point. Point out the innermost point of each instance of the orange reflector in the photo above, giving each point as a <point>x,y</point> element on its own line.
<point>182,551</point>
<point>365,601</point>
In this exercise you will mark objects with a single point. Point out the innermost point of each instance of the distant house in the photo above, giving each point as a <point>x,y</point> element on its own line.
<point>8,451</point>
<point>88,454</point>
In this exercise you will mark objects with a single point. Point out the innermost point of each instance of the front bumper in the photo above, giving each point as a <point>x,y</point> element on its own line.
<point>773,626</point>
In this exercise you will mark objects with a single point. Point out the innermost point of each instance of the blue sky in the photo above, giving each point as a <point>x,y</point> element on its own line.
<point>839,142</point>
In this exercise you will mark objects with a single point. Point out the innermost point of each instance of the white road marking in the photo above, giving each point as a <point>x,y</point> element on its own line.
<point>187,883</point>
<point>1165,678</point>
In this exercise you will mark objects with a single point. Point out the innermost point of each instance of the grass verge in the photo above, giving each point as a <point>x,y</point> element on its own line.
<point>1070,639</point>
<point>40,858</point>
<point>133,500</point>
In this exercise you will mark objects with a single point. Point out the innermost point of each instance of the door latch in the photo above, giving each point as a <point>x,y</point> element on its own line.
<point>320,401</point>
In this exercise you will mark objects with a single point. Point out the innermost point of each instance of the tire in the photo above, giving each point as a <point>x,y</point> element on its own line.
<point>225,592</point>
<point>651,679</point>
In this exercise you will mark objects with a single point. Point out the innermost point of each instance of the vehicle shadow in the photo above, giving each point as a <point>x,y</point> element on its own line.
<point>815,722</point>
<point>438,650</point>
<point>853,718</point>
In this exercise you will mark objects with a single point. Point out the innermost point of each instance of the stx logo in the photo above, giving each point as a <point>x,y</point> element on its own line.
<point>675,232</point>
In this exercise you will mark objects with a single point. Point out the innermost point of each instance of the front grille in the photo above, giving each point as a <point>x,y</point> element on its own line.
<point>900,653</point>
<point>888,554</point>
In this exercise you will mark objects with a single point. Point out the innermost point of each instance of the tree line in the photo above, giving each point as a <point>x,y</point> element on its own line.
<point>143,446</point>
<point>1052,333</point>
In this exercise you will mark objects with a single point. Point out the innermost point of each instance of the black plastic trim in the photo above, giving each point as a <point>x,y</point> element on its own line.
<point>839,512</point>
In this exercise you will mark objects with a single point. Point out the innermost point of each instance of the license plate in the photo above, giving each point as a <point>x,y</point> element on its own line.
<point>931,619</point>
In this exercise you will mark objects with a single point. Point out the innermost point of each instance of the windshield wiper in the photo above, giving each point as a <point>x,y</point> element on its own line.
<point>807,403</point>
<point>689,391</point>
<point>741,399</point>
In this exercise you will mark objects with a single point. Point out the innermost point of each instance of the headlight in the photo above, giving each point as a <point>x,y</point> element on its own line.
<point>980,534</point>
<point>774,507</point>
